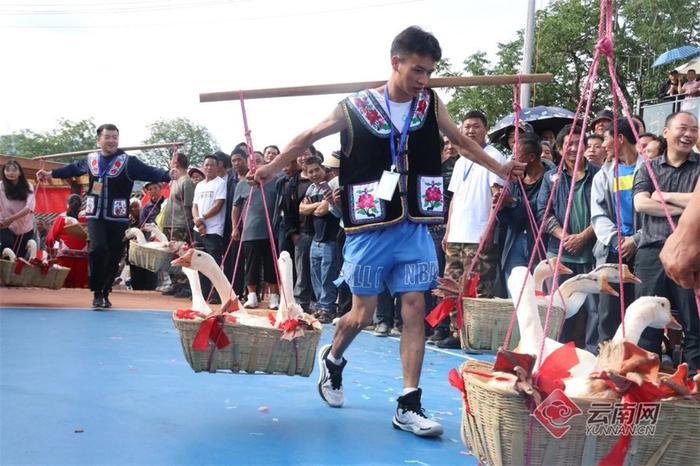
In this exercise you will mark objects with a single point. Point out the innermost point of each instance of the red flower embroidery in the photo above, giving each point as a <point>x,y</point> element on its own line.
<point>372,116</point>
<point>433,193</point>
<point>117,164</point>
<point>421,106</point>
<point>365,201</point>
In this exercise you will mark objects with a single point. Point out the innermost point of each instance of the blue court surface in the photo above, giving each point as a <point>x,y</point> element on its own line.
<point>84,387</point>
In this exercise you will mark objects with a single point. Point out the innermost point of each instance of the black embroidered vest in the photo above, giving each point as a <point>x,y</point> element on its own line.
<point>112,202</point>
<point>367,153</point>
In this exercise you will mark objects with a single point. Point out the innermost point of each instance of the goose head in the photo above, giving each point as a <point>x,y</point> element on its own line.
<point>654,311</point>
<point>155,232</point>
<point>587,283</point>
<point>196,260</point>
<point>31,249</point>
<point>545,269</point>
<point>135,233</point>
<point>612,271</point>
<point>9,254</point>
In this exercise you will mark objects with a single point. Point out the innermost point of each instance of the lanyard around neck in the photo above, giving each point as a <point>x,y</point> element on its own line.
<point>404,130</point>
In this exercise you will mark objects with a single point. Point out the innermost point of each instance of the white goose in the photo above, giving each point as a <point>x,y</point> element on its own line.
<point>289,309</point>
<point>136,234</point>
<point>545,269</point>
<point>9,254</point>
<point>204,263</point>
<point>198,301</point>
<point>155,232</point>
<point>530,326</point>
<point>31,250</point>
<point>571,295</point>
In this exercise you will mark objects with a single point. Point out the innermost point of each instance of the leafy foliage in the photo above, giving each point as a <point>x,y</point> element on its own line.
<point>66,137</point>
<point>566,36</point>
<point>198,141</point>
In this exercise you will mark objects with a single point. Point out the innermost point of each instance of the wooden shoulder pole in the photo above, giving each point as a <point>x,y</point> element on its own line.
<point>345,88</point>
<point>84,152</point>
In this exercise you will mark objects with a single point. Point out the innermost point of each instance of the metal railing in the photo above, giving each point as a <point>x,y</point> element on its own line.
<point>655,111</point>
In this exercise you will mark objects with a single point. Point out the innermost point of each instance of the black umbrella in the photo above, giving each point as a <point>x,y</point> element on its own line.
<point>541,118</point>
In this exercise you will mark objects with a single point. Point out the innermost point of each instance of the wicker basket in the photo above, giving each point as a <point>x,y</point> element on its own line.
<point>496,430</point>
<point>486,323</point>
<point>32,275</point>
<point>5,271</point>
<point>252,349</point>
<point>149,258</point>
<point>76,230</point>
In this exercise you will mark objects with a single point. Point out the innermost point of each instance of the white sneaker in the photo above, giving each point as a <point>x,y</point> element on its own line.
<point>330,380</point>
<point>411,417</point>
<point>251,301</point>
<point>274,301</point>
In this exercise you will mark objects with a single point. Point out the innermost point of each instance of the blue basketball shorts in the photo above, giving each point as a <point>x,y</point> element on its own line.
<point>402,256</point>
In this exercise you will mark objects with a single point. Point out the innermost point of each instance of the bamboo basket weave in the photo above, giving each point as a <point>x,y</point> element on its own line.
<point>486,323</point>
<point>252,349</point>
<point>496,430</point>
<point>148,258</point>
<point>32,276</point>
<point>5,271</point>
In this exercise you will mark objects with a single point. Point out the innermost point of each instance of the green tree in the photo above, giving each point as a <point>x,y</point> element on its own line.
<point>566,37</point>
<point>198,141</point>
<point>66,137</point>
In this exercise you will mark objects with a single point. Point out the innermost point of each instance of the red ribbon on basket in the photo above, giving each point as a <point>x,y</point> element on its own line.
<point>211,329</point>
<point>457,382</point>
<point>188,314</point>
<point>469,292</point>
<point>555,368</point>
<point>440,311</point>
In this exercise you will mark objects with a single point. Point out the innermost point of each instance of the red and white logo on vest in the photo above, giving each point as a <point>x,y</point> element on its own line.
<point>555,412</point>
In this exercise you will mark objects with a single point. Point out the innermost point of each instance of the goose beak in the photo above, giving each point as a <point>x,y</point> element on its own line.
<point>673,324</point>
<point>629,277</point>
<point>606,288</point>
<point>564,270</point>
<point>184,260</point>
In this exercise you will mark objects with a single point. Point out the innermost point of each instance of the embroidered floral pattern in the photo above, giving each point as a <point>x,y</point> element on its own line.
<point>365,207</point>
<point>431,200</point>
<point>374,117</point>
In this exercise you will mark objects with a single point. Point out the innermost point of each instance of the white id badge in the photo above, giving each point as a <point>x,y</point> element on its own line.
<point>387,185</point>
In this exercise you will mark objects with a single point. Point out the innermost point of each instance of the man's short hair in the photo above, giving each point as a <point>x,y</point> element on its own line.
<point>476,114</point>
<point>415,40</point>
<point>623,127</point>
<point>108,127</point>
<point>223,159</point>
<point>210,156</point>
<point>271,146</point>
<point>313,160</point>
<point>565,132</point>
<point>241,152</point>
<point>690,71</point>
<point>594,136</point>
<point>530,143</point>
<point>653,136</point>
<point>181,160</point>
<point>672,116</point>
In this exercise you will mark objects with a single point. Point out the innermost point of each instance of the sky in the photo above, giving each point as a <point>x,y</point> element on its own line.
<point>133,62</point>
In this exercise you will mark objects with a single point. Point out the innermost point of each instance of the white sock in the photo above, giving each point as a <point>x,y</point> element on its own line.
<point>408,390</point>
<point>335,361</point>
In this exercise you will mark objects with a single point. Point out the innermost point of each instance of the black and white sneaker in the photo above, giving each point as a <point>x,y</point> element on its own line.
<point>411,417</point>
<point>330,380</point>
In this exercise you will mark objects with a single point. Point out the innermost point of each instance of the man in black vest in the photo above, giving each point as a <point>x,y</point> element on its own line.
<point>391,190</point>
<point>112,174</point>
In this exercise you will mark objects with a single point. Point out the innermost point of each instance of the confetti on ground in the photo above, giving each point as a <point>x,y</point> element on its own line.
<point>392,399</point>
<point>231,407</point>
<point>365,397</point>
<point>263,409</point>
<point>444,413</point>
<point>257,434</point>
<point>274,419</point>
<point>416,462</point>
<point>465,453</point>
<point>78,430</point>
<point>454,440</point>
<point>389,390</point>
<point>115,338</point>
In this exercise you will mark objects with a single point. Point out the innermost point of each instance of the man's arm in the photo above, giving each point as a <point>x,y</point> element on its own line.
<point>137,170</point>
<point>307,207</point>
<point>77,168</point>
<point>680,255</point>
<point>214,209</point>
<point>333,123</point>
<point>601,220</point>
<point>643,203</point>
<point>474,152</point>
<point>676,199</point>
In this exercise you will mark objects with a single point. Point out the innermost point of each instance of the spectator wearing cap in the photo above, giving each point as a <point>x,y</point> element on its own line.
<point>600,122</point>
<point>671,87</point>
<point>151,209</point>
<point>508,140</point>
<point>196,174</point>
<point>691,88</point>
<point>332,163</point>
<point>472,187</point>
<point>577,253</point>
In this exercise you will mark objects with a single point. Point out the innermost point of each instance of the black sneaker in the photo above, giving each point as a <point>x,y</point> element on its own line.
<point>172,291</point>
<point>448,343</point>
<point>330,380</point>
<point>183,293</point>
<point>107,303</point>
<point>98,301</point>
<point>411,417</point>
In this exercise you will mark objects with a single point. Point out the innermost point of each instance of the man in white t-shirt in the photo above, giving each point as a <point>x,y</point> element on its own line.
<point>209,216</point>
<point>472,187</point>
